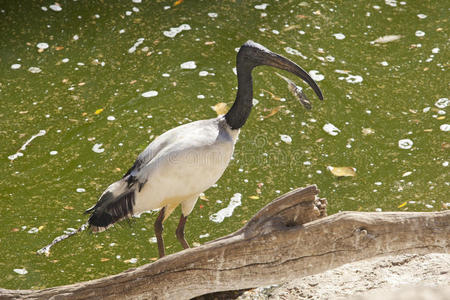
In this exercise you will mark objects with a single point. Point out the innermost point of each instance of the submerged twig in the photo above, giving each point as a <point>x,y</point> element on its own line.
<point>297,91</point>
<point>46,250</point>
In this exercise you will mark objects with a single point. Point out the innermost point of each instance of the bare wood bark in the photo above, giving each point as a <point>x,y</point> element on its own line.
<point>287,239</point>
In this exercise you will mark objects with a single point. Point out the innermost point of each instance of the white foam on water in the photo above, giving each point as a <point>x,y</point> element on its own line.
<point>56,7</point>
<point>405,144</point>
<point>316,75</point>
<point>137,44</point>
<point>190,65</point>
<point>227,212</point>
<point>442,103</point>
<point>331,129</point>
<point>176,30</point>
<point>339,36</point>
<point>21,271</point>
<point>149,94</point>
<point>34,70</point>
<point>295,52</point>
<point>97,148</point>
<point>445,127</point>
<point>24,146</point>
<point>262,6</point>
<point>286,138</point>
<point>420,33</point>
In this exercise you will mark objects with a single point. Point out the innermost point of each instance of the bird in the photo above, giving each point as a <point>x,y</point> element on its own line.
<point>183,162</point>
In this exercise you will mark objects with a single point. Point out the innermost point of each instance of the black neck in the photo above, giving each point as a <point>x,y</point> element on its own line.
<point>239,112</point>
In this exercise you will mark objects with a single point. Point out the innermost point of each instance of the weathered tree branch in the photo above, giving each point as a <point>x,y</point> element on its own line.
<point>287,239</point>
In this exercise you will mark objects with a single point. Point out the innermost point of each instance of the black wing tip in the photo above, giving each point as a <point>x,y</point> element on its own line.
<point>100,220</point>
<point>103,217</point>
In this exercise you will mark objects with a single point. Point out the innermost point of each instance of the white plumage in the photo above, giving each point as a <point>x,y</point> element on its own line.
<point>182,163</point>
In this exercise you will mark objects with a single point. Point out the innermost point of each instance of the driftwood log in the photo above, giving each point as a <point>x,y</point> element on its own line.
<point>287,239</point>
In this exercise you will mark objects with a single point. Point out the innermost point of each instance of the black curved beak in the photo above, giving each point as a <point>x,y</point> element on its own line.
<point>260,55</point>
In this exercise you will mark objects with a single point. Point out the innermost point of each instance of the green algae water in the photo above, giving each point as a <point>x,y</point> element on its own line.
<point>86,85</point>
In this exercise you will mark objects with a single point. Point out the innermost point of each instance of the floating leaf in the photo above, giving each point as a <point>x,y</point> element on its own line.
<point>387,39</point>
<point>291,27</point>
<point>342,171</point>
<point>98,111</point>
<point>296,91</point>
<point>274,97</point>
<point>178,2</point>
<point>254,197</point>
<point>367,131</point>
<point>273,111</point>
<point>220,108</point>
<point>403,204</point>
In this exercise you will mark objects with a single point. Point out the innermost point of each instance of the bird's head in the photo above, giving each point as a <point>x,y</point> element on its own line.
<point>252,54</point>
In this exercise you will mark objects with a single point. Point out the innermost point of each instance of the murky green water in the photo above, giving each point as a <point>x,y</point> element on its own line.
<point>104,56</point>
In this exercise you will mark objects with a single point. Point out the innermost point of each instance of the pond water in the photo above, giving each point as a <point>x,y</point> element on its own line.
<point>86,85</point>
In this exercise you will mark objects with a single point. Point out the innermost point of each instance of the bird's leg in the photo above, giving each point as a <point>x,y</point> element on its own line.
<point>158,231</point>
<point>180,232</point>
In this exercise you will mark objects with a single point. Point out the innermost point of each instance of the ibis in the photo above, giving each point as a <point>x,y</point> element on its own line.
<point>186,160</point>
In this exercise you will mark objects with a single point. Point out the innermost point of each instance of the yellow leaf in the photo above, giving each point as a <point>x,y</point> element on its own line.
<point>440,118</point>
<point>41,227</point>
<point>103,259</point>
<point>178,2</point>
<point>273,111</point>
<point>274,97</point>
<point>367,131</point>
<point>254,197</point>
<point>342,171</point>
<point>98,111</point>
<point>291,27</point>
<point>401,205</point>
<point>220,108</point>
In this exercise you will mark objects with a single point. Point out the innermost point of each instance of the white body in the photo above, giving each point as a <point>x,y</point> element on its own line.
<point>180,164</point>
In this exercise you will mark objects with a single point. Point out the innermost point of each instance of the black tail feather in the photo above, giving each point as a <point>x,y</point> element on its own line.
<point>120,208</point>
